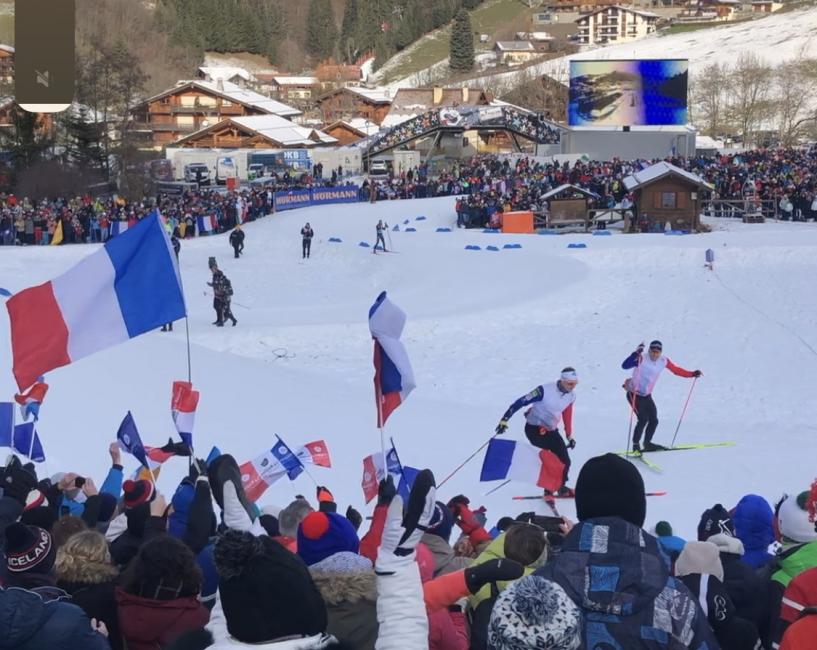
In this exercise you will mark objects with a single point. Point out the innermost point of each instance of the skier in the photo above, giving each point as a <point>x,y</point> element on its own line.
<point>237,240</point>
<point>551,404</point>
<point>222,295</point>
<point>381,228</point>
<point>639,390</point>
<point>177,246</point>
<point>306,243</point>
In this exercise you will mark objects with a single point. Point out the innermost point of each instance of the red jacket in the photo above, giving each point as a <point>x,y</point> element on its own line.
<point>800,594</point>
<point>802,635</point>
<point>148,624</point>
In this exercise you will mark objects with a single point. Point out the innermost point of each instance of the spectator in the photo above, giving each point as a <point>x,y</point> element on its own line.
<point>753,519</point>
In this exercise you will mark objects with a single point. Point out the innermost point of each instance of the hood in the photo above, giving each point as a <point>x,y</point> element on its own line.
<point>626,566</point>
<point>345,577</point>
<point>794,561</point>
<point>752,519</point>
<point>22,614</point>
<point>727,544</point>
<point>145,620</point>
<point>441,550</point>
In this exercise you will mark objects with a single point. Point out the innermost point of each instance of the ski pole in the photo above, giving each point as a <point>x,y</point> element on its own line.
<point>632,401</point>
<point>501,485</point>
<point>465,462</point>
<point>681,419</point>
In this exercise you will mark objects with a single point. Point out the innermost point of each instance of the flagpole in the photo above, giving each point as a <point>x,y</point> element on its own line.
<point>380,424</point>
<point>501,485</point>
<point>397,456</point>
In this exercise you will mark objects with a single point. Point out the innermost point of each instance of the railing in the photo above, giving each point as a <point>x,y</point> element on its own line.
<point>746,209</point>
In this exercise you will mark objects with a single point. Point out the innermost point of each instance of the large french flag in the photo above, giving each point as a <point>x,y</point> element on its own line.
<point>393,376</point>
<point>508,459</point>
<point>126,288</point>
<point>183,404</point>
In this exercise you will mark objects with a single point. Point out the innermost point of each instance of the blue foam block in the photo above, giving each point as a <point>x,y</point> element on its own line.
<point>490,231</point>
<point>443,229</point>
<point>472,247</point>
<point>405,222</point>
<point>546,232</point>
<point>512,246</point>
<point>396,229</point>
<point>364,244</point>
<point>335,240</point>
<point>491,248</point>
<point>420,219</point>
<point>601,233</point>
<point>411,229</point>
<point>577,245</point>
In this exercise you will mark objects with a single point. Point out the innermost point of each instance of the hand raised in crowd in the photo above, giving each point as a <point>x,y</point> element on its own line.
<point>158,506</point>
<point>89,488</point>
<point>116,453</point>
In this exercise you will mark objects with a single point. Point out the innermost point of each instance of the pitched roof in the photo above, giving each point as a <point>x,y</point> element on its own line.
<point>371,95</point>
<point>659,170</point>
<point>233,93</point>
<point>638,12</point>
<point>289,80</point>
<point>7,48</point>
<point>224,72</point>
<point>515,46</point>
<point>277,129</point>
<point>568,186</point>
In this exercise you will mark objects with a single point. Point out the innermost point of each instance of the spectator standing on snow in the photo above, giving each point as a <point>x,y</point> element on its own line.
<point>550,405</point>
<point>222,295</point>
<point>237,241</point>
<point>306,240</point>
<point>646,371</point>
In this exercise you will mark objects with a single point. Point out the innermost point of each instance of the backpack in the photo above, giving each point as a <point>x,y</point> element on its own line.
<point>228,287</point>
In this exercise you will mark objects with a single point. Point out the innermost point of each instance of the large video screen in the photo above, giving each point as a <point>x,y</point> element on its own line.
<point>628,93</point>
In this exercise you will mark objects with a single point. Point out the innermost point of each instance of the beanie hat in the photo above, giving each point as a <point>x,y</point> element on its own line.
<point>610,486</point>
<point>322,534</point>
<point>699,557</point>
<point>793,519</point>
<point>266,592</point>
<point>715,521</point>
<point>663,529</point>
<point>292,516</point>
<point>442,521</point>
<point>41,516</point>
<point>29,548</point>
<point>137,492</point>
<point>270,525</point>
<point>656,344</point>
<point>534,613</point>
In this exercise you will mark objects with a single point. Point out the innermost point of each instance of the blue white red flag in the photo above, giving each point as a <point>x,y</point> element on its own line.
<point>264,470</point>
<point>183,404</point>
<point>31,399</point>
<point>126,288</point>
<point>508,459</point>
<point>22,438</point>
<point>393,376</point>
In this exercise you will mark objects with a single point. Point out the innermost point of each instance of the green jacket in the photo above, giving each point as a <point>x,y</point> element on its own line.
<point>495,550</point>
<point>793,562</point>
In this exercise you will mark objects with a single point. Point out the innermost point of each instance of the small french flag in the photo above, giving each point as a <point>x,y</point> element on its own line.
<point>118,227</point>
<point>314,453</point>
<point>508,459</point>
<point>264,470</point>
<point>126,288</point>
<point>206,224</point>
<point>183,404</point>
<point>393,376</point>
<point>375,470</point>
<point>31,399</point>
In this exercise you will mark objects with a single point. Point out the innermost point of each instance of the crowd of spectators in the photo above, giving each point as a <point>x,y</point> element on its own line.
<point>122,567</point>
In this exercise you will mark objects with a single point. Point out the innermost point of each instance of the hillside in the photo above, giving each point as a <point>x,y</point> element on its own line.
<point>299,362</point>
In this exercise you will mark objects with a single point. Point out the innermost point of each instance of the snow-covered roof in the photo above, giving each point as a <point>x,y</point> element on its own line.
<point>515,46</point>
<point>540,36</point>
<point>707,142</point>
<point>7,48</point>
<point>659,170</point>
<point>568,186</point>
<point>234,93</point>
<point>274,127</point>
<point>286,80</point>
<point>225,72</point>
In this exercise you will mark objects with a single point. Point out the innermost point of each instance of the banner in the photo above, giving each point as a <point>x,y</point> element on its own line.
<point>292,199</point>
<point>327,195</point>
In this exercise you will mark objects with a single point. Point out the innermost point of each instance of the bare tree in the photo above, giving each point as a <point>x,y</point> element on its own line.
<point>750,86</point>
<point>792,88</point>
<point>708,97</point>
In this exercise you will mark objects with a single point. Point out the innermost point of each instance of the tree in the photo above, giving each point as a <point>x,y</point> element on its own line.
<point>83,140</point>
<point>709,97</point>
<point>461,49</point>
<point>348,44</point>
<point>793,81</point>
<point>750,84</point>
<point>321,32</point>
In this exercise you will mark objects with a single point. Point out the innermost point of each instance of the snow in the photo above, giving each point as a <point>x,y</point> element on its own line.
<point>483,329</point>
<point>658,170</point>
<point>775,38</point>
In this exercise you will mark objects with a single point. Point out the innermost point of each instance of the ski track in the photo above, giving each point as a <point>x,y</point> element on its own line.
<point>483,328</point>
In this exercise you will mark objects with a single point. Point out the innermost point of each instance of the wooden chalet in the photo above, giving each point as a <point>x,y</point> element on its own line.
<point>256,132</point>
<point>8,107</point>
<point>6,64</point>
<point>348,103</point>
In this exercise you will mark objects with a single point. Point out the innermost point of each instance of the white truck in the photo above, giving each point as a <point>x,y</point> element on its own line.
<point>197,173</point>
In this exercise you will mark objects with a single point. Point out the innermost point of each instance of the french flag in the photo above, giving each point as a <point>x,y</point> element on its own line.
<point>126,288</point>
<point>264,470</point>
<point>375,470</point>
<point>393,376</point>
<point>314,453</point>
<point>508,459</point>
<point>31,399</point>
<point>22,438</point>
<point>118,227</point>
<point>183,404</point>
<point>206,224</point>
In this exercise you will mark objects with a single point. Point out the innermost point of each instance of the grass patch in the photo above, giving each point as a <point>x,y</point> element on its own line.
<point>694,27</point>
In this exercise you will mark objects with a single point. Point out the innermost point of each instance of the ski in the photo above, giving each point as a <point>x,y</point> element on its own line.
<point>554,496</point>
<point>702,445</point>
<point>640,457</point>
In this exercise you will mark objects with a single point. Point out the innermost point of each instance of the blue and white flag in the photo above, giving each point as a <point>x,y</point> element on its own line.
<point>264,470</point>
<point>22,438</point>
<point>393,376</point>
<point>130,440</point>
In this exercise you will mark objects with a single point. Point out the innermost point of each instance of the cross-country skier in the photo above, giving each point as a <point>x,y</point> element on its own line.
<point>380,239</point>
<point>551,404</point>
<point>639,390</point>
<point>306,243</point>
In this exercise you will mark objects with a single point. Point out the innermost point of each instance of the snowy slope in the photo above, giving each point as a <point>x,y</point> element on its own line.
<point>775,39</point>
<point>484,327</point>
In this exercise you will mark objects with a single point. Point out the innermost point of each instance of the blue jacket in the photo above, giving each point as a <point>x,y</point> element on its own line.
<point>630,601</point>
<point>30,622</point>
<point>112,485</point>
<point>752,519</point>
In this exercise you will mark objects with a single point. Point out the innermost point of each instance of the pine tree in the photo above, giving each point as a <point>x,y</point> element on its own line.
<point>348,45</point>
<point>83,139</point>
<point>461,49</point>
<point>321,31</point>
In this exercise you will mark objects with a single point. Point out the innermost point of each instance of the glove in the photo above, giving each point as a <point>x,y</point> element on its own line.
<point>502,427</point>
<point>467,520</point>
<point>402,533</point>
<point>386,491</point>
<point>571,443</point>
<point>176,448</point>
<point>640,348</point>
<point>354,517</point>
<point>477,577</point>
<point>326,502</point>
<point>18,480</point>
<point>697,373</point>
